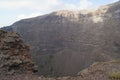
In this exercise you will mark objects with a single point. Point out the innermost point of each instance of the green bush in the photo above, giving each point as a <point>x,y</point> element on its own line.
<point>114,76</point>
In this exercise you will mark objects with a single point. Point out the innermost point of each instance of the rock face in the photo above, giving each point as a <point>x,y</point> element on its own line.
<point>97,71</point>
<point>101,70</point>
<point>14,57</point>
<point>64,42</point>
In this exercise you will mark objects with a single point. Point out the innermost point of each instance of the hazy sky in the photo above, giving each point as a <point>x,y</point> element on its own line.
<point>13,10</point>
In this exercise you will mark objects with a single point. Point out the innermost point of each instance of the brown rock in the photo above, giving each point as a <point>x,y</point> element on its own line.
<point>14,56</point>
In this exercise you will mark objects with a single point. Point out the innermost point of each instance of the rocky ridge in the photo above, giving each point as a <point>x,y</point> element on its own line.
<point>14,56</point>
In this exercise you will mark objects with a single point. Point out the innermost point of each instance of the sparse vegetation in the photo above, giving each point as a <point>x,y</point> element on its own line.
<point>115,61</point>
<point>114,76</point>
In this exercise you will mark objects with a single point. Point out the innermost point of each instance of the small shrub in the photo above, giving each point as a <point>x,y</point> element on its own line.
<point>114,76</point>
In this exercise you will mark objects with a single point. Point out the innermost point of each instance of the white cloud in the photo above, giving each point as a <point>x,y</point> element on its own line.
<point>23,16</point>
<point>28,4</point>
<point>114,1</point>
<point>38,7</point>
<point>14,4</point>
<point>43,4</point>
<point>84,4</point>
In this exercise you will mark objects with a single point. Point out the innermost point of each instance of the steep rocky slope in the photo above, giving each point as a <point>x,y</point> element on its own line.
<point>16,63</point>
<point>97,71</point>
<point>64,42</point>
<point>101,70</point>
<point>14,57</point>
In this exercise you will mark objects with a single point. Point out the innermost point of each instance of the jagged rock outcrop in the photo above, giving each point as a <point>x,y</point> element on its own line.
<point>65,42</point>
<point>14,56</point>
<point>101,70</point>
